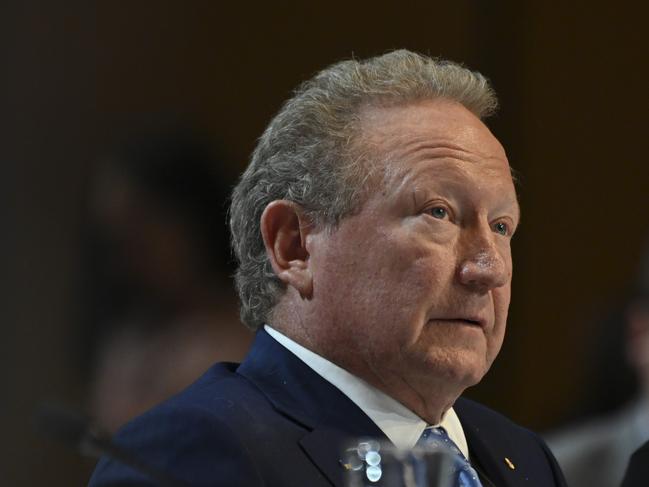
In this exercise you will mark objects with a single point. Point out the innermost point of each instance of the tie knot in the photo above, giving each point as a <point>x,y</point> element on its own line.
<point>437,438</point>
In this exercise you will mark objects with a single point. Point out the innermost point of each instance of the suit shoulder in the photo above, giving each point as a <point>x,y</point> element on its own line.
<point>219,388</point>
<point>193,436</point>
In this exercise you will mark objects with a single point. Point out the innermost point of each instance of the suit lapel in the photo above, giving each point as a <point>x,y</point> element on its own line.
<point>330,418</point>
<point>487,459</point>
<point>495,456</point>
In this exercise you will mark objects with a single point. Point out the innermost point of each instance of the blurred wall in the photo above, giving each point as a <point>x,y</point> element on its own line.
<point>80,76</point>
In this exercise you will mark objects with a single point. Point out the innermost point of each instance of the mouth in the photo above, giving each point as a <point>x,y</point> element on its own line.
<point>467,321</point>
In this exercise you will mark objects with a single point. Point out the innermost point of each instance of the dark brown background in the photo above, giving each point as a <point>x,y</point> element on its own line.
<point>78,76</point>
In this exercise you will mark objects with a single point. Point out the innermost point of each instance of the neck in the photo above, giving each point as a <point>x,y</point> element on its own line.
<point>429,399</point>
<point>413,395</point>
<point>427,393</point>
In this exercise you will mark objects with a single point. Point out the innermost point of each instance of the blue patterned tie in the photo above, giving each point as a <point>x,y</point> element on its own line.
<point>464,473</point>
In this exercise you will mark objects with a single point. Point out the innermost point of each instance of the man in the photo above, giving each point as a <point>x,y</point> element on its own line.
<point>373,231</point>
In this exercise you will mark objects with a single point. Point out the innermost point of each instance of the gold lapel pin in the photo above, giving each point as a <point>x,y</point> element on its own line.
<point>510,464</point>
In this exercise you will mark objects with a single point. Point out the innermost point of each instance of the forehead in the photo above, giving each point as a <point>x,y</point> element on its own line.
<point>438,134</point>
<point>437,122</point>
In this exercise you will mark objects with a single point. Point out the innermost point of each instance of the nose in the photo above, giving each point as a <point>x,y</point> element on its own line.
<point>482,266</point>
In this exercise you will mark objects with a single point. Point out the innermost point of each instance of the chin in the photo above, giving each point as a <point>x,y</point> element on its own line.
<point>473,377</point>
<point>467,376</point>
<point>465,368</point>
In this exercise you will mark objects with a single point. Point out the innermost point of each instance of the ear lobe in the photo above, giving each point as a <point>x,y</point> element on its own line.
<point>284,229</point>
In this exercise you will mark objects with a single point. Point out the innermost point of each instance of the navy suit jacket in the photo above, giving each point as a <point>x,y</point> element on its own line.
<point>272,421</point>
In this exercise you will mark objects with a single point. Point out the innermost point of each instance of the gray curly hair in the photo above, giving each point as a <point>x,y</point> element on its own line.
<point>312,153</point>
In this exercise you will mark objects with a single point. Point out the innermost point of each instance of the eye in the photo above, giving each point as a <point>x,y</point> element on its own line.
<point>438,212</point>
<point>501,228</point>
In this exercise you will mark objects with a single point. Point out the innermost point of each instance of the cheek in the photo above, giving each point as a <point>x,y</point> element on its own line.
<point>501,297</point>
<point>388,279</point>
<point>408,289</point>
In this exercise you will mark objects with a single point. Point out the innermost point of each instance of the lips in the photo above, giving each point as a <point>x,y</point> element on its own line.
<point>468,320</point>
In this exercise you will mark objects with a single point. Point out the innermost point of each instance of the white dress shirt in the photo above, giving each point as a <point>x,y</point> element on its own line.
<point>402,427</point>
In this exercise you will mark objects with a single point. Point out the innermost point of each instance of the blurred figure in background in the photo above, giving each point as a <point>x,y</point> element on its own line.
<point>637,472</point>
<point>596,454</point>
<point>161,306</point>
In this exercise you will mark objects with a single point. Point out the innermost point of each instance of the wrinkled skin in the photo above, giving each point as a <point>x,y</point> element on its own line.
<point>412,292</point>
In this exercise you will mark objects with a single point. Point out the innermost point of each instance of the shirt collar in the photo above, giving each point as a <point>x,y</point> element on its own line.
<point>402,427</point>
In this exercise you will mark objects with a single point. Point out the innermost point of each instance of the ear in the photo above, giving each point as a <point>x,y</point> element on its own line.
<point>284,229</point>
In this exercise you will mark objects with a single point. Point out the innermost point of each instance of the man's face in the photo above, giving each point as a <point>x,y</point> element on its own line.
<point>413,290</point>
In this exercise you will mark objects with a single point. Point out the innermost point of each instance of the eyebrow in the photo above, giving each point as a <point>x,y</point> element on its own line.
<point>403,174</point>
